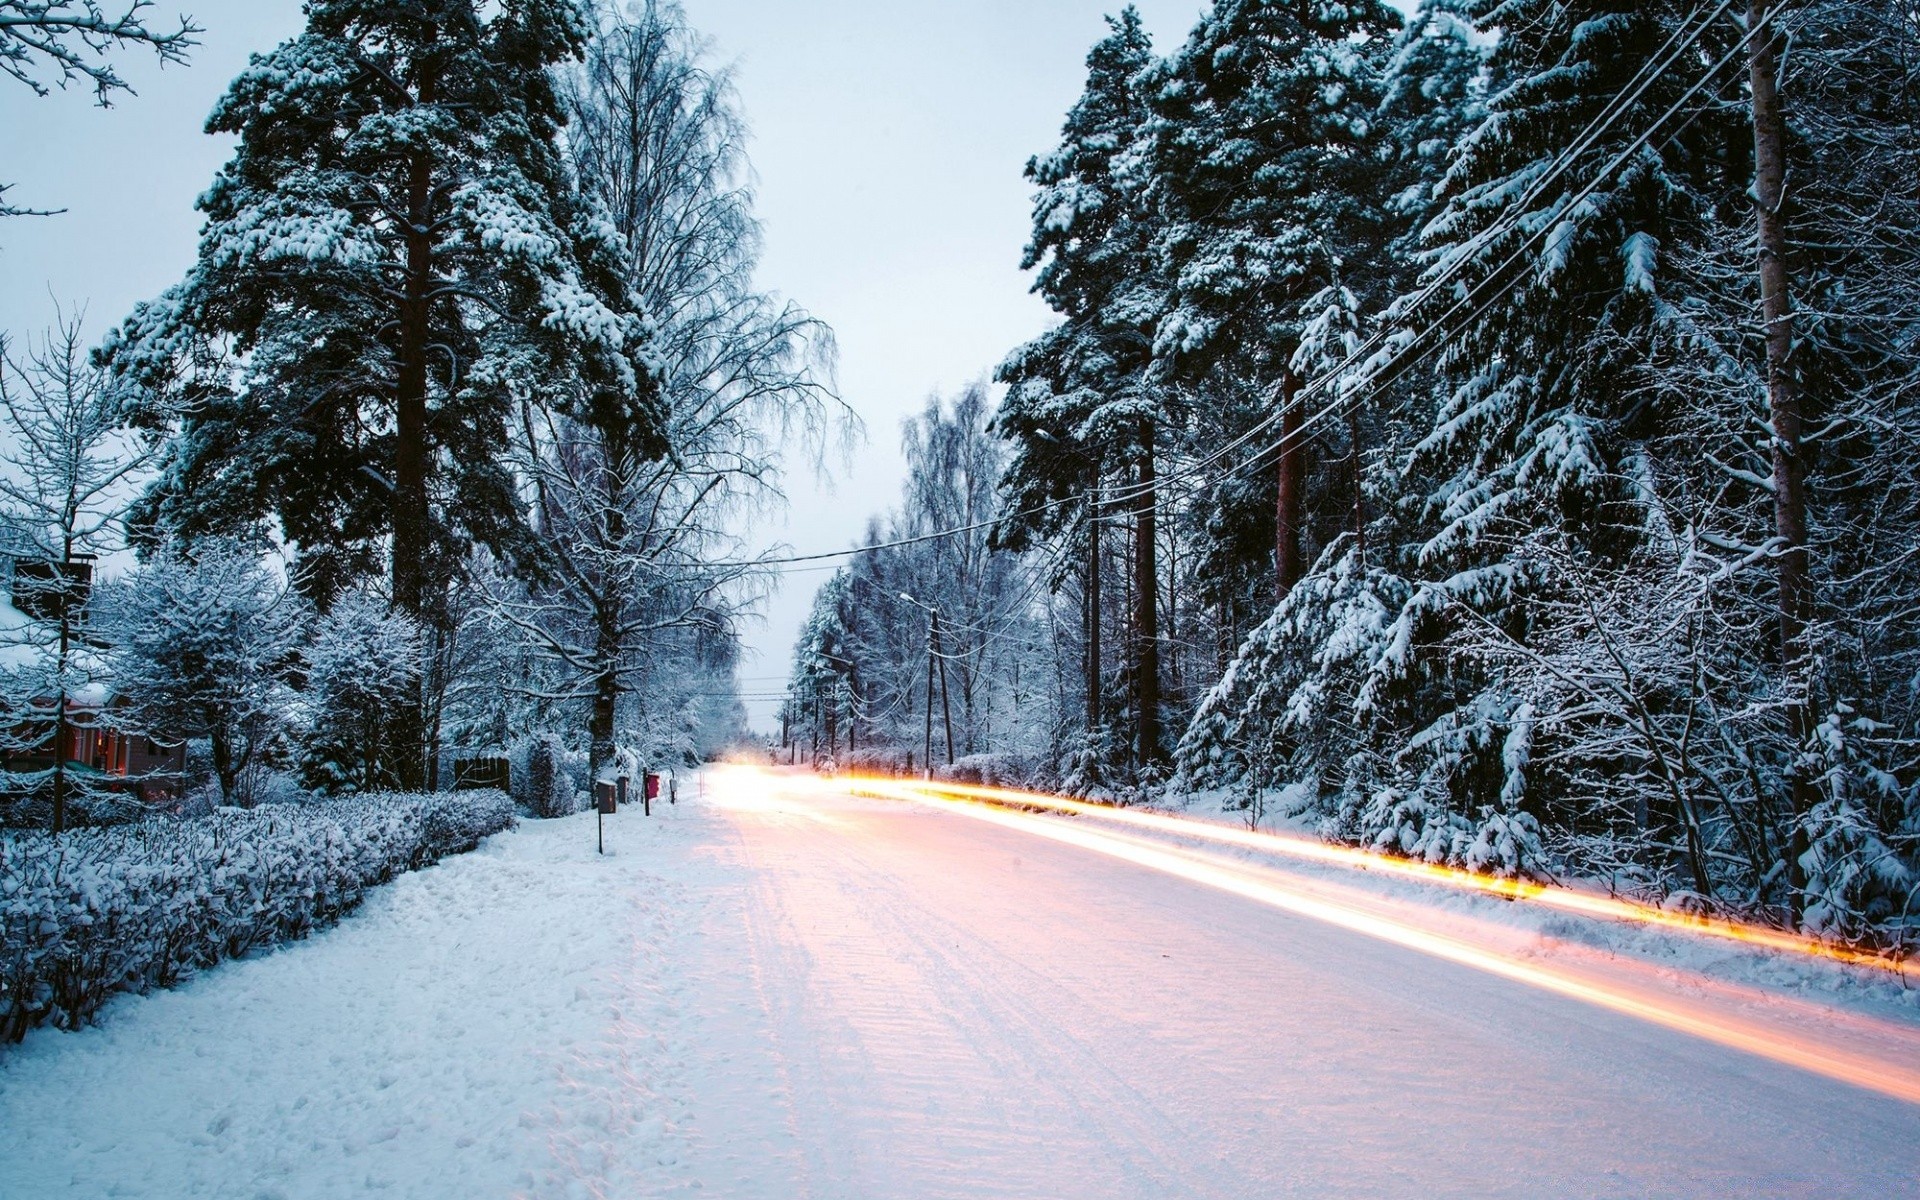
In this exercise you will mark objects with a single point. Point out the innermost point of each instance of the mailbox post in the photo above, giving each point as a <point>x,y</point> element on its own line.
<point>649,790</point>
<point>605,798</point>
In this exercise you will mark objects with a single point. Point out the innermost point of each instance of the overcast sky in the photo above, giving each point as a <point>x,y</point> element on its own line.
<point>889,137</point>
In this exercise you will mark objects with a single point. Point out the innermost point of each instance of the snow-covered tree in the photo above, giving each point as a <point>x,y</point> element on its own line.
<point>1262,166</point>
<point>68,473</point>
<point>205,644</point>
<point>363,671</point>
<point>1079,410</point>
<point>392,262</point>
<point>394,251</point>
<point>631,624</point>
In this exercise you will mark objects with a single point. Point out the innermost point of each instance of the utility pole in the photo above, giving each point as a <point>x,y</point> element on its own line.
<point>946,705</point>
<point>1783,410</point>
<point>935,660</point>
<point>1146,597</point>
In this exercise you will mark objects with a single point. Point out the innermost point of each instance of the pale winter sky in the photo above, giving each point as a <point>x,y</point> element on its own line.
<point>889,137</point>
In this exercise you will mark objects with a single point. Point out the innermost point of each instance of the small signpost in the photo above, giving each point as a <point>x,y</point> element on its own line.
<point>605,798</point>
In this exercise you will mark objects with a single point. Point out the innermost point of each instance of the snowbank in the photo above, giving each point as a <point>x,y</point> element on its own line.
<point>92,912</point>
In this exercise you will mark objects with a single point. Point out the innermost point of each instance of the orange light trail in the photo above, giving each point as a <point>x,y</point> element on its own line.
<point>1564,899</point>
<point>1772,1043</point>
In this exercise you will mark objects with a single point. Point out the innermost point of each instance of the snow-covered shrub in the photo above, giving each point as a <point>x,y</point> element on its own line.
<point>549,791</point>
<point>874,762</point>
<point>89,913</point>
<point>990,770</point>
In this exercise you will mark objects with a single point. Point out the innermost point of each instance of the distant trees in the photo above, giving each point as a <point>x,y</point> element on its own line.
<point>70,474</point>
<point>862,662</point>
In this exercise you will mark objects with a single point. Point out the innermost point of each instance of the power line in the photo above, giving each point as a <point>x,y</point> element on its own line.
<point>1514,215</point>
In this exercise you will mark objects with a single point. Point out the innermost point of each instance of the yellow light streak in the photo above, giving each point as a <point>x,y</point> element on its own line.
<point>1558,897</point>
<point>1772,1043</point>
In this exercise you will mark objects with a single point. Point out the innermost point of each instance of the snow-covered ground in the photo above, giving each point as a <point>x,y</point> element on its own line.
<point>781,992</point>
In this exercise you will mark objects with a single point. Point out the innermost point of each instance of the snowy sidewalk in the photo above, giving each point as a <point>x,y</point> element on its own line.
<point>482,1028</point>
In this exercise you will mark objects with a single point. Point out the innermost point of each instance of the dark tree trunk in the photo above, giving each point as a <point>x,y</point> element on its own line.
<point>410,514</point>
<point>1146,617</point>
<point>225,769</point>
<point>1359,486</point>
<point>606,698</point>
<point>946,703</point>
<point>61,730</point>
<point>1783,403</point>
<point>1095,710</point>
<point>1290,500</point>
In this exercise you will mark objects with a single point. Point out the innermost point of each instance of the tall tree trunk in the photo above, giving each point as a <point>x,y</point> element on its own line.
<point>1359,487</point>
<point>410,512</point>
<point>1146,616</point>
<point>224,767</point>
<point>1290,500</point>
<point>606,699</point>
<point>1095,710</point>
<point>61,729</point>
<point>1783,404</point>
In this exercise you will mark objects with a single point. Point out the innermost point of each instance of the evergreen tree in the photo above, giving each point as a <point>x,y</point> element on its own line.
<point>363,669</point>
<point>391,259</point>
<point>1262,167</point>
<point>1079,409</point>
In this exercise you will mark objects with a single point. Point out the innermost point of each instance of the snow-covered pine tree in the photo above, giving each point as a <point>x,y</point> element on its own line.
<point>1540,449</point>
<point>363,671</point>
<point>1263,156</point>
<point>1078,409</point>
<point>1821,797</point>
<point>391,259</point>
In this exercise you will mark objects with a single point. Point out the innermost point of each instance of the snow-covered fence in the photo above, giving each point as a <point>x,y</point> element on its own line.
<point>129,908</point>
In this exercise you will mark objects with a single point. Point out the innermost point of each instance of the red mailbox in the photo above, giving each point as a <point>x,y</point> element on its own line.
<point>653,786</point>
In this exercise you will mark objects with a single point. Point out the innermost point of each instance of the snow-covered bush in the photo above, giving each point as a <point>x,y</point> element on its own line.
<point>991,770</point>
<point>548,791</point>
<point>89,913</point>
<point>875,762</point>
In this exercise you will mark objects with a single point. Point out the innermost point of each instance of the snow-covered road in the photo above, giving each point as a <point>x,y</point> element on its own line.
<point>781,992</point>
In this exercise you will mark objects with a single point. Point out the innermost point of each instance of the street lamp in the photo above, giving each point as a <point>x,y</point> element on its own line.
<point>933,656</point>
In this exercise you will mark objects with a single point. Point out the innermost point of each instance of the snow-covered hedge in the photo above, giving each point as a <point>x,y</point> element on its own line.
<point>92,912</point>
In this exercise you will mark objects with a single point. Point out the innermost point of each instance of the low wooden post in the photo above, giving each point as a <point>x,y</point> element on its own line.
<point>605,798</point>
